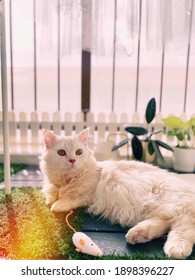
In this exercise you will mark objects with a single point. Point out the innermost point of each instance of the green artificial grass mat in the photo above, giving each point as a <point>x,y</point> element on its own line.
<point>30,231</point>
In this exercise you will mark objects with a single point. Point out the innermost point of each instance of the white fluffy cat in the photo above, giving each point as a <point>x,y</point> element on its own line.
<point>131,193</point>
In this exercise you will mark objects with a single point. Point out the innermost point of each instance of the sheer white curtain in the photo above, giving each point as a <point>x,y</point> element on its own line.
<point>70,26</point>
<point>167,22</point>
<point>163,22</point>
<point>46,19</point>
<point>50,40</point>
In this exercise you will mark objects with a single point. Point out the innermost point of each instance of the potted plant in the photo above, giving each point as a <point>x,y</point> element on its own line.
<point>147,136</point>
<point>184,151</point>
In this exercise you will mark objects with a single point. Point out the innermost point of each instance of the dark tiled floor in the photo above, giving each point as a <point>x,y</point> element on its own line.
<point>110,238</point>
<point>30,176</point>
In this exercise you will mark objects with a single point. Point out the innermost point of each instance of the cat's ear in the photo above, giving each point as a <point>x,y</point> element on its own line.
<point>49,137</point>
<point>83,136</point>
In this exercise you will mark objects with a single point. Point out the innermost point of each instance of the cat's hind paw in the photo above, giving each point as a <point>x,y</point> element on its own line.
<point>133,236</point>
<point>178,250</point>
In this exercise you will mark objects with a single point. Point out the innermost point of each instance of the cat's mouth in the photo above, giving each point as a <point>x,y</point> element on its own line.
<point>72,166</point>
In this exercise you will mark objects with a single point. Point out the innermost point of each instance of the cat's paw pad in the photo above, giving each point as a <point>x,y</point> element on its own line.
<point>134,236</point>
<point>178,250</point>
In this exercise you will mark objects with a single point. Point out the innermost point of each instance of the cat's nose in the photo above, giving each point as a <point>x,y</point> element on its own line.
<point>72,160</point>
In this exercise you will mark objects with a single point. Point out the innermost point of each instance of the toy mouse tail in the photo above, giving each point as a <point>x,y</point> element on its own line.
<point>67,216</point>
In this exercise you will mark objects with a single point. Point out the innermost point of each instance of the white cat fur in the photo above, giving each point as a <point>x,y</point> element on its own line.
<point>130,193</point>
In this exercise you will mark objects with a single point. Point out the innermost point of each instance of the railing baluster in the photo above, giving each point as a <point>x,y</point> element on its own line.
<point>35,54</point>
<point>114,55</point>
<point>138,56</point>
<point>5,103</point>
<point>11,55</point>
<point>58,54</point>
<point>188,57</point>
<point>162,77</point>
<point>86,55</point>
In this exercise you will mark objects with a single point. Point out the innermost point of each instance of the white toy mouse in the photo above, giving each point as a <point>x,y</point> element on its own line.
<point>82,242</point>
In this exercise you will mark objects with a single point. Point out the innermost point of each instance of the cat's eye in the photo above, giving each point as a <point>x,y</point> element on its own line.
<point>79,152</point>
<point>61,153</point>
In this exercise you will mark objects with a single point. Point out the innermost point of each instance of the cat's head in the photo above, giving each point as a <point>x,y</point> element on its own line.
<point>66,153</point>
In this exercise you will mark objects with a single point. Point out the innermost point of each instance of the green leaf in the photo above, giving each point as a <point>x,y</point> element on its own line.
<point>192,121</point>
<point>164,145</point>
<point>136,130</point>
<point>193,129</point>
<point>122,143</point>
<point>180,136</point>
<point>187,125</point>
<point>150,110</point>
<point>157,150</point>
<point>137,148</point>
<point>173,122</point>
<point>150,148</point>
<point>188,136</point>
<point>173,132</point>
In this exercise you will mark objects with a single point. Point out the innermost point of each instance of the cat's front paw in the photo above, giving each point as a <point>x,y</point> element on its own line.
<point>50,199</point>
<point>60,206</point>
